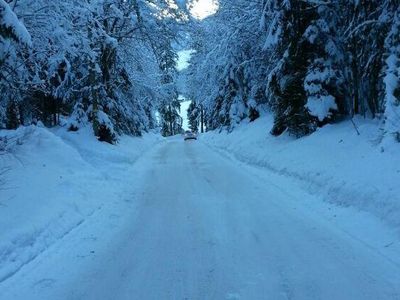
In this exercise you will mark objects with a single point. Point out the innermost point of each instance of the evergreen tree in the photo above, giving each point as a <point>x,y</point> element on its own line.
<point>289,95</point>
<point>193,114</point>
<point>14,44</point>
<point>171,121</point>
<point>310,62</point>
<point>99,63</point>
<point>13,118</point>
<point>392,80</point>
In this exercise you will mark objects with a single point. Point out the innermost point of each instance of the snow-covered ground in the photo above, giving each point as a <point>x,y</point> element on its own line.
<point>156,218</point>
<point>53,182</point>
<point>335,163</point>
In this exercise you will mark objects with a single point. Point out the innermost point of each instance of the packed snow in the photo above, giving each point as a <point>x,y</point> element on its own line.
<point>230,216</point>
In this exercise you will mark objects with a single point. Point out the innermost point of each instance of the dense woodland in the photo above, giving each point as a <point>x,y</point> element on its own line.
<point>108,63</point>
<point>309,62</point>
<point>112,64</point>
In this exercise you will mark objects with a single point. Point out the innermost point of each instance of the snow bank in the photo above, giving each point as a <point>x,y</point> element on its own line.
<point>54,181</point>
<point>334,163</point>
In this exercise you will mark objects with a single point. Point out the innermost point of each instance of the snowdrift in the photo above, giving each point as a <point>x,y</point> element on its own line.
<point>334,163</point>
<point>52,182</point>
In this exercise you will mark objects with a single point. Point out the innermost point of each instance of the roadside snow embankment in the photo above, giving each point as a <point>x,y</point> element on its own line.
<point>52,182</point>
<point>334,163</point>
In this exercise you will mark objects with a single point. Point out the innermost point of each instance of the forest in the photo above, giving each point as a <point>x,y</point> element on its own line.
<point>106,63</point>
<point>309,62</point>
<point>199,149</point>
<point>112,64</point>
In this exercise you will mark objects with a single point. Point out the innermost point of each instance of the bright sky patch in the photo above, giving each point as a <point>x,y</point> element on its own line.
<point>204,8</point>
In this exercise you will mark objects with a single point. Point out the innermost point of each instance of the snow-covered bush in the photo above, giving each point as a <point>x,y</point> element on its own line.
<point>103,128</point>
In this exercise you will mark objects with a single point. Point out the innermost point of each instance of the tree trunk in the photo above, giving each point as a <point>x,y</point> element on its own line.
<point>356,80</point>
<point>171,127</point>
<point>202,118</point>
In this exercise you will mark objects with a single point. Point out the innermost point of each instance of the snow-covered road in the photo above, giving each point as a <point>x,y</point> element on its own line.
<point>198,225</point>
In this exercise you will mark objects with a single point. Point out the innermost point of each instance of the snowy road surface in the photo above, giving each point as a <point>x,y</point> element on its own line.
<point>198,225</point>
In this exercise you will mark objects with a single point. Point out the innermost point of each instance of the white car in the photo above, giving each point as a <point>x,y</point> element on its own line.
<point>188,135</point>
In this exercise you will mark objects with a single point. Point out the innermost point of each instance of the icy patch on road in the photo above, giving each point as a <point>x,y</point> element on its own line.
<point>233,296</point>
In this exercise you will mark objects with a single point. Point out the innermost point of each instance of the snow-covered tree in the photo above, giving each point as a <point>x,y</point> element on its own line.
<point>310,62</point>
<point>14,43</point>
<point>392,80</point>
<point>227,63</point>
<point>193,113</point>
<point>101,62</point>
